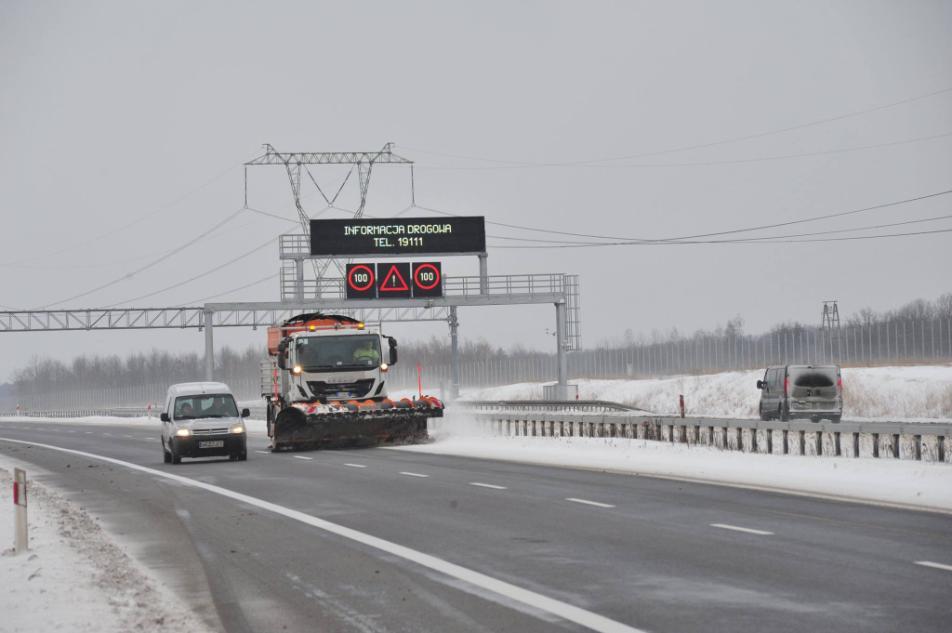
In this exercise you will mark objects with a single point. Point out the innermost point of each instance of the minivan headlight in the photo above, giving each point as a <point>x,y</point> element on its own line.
<point>183,433</point>
<point>238,428</point>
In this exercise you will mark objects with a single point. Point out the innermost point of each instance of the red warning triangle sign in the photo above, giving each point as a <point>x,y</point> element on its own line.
<point>393,281</point>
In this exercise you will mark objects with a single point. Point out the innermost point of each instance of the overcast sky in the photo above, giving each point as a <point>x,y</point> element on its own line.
<point>124,125</point>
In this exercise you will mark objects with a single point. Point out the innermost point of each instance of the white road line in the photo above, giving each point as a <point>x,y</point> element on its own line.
<point>737,528</point>
<point>355,465</point>
<point>482,485</point>
<point>303,457</point>
<point>413,474</point>
<point>929,563</point>
<point>88,432</point>
<point>507,591</point>
<point>129,436</point>
<point>597,504</point>
<point>263,452</point>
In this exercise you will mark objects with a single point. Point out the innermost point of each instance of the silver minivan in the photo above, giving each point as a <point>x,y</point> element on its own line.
<point>801,391</point>
<point>201,419</point>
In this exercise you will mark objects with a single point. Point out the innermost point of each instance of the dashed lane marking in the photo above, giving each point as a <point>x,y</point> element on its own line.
<point>597,504</point>
<point>355,465</point>
<point>505,590</point>
<point>482,485</point>
<point>303,457</point>
<point>738,528</point>
<point>929,563</point>
<point>408,474</point>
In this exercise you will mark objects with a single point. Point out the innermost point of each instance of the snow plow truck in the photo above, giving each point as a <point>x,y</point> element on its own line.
<point>326,387</point>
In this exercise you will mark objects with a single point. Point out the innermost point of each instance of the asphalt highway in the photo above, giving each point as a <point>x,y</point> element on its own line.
<point>385,540</point>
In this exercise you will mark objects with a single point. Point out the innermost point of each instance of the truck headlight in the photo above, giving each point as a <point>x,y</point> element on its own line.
<point>183,433</point>
<point>238,428</point>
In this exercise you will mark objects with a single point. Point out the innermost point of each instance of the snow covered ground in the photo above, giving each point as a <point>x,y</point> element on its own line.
<point>75,577</point>
<point>906,483</point>
<point>874,393</point>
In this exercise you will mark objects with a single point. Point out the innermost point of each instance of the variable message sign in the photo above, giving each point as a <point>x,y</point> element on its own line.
<point>398,236</point>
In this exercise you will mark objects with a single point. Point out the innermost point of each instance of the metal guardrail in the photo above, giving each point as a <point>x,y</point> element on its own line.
<point>545,405</point>
<point>930,442</point>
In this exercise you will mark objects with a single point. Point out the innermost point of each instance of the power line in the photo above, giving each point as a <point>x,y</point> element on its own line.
<point>151,264</point>
<point>708,163</point>
<point>230,290</point>
<point>616,238</point>
<point>137,221</point>
<point>743,241</point>
<point>735,139</point>
<point>198,276</point>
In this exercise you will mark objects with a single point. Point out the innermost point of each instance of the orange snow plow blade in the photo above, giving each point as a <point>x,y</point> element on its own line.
<point>309,426</point>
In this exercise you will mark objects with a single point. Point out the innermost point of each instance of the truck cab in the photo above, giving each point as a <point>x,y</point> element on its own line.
<point>334,362</point>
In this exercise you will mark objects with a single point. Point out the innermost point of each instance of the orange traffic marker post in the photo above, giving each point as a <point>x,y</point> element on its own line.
<point>22,542</point>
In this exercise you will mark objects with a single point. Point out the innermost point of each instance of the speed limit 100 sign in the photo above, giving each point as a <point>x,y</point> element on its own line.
<point>394,280</point>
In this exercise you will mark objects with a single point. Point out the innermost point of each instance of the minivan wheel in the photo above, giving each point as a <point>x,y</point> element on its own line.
<point>176,458</point>
<point>166,456</point>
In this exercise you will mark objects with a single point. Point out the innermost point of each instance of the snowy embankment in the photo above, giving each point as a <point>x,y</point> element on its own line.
<point>872,393</point>
<point>905,483</point>
<point>75,577</point>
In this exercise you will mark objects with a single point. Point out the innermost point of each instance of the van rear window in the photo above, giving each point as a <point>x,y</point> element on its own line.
<point>814,378</point>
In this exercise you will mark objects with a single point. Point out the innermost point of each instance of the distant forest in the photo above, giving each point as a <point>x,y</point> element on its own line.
<point>240,368</point>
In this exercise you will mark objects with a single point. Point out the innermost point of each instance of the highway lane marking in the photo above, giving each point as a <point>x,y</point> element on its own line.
<point>737,528</point>
<point>597,504</point>
<point>263,452</point>
<point>355,465</point>
<point>506,590</point>
<point>929,563</point>
<point>482,485</point>
<point>88,432</point>
<point>403,472</point>
<point>303,457</point>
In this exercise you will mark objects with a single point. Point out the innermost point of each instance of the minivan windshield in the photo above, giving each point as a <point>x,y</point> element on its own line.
<point>331,353</point>
<point>221,405</point>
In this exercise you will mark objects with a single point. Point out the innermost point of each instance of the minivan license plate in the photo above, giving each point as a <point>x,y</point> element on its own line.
<point>212,444</point>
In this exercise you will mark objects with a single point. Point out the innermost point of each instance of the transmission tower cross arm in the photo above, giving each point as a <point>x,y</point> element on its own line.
<point>383,156</point>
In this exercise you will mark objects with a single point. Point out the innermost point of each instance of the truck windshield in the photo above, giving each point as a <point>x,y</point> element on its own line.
<point>335,353</point>
<point>204,405</point>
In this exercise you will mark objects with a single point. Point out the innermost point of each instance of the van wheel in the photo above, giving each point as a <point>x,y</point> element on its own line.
<point>243,455</point>
<point>166,456</point>
<point>176,458</point>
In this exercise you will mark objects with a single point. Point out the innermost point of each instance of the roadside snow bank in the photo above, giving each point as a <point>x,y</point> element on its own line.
<point>908,393</point>
<point>916,484</point>
<point>74,578</point>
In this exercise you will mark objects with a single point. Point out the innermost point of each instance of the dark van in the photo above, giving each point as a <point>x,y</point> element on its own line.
<point>801,391</point>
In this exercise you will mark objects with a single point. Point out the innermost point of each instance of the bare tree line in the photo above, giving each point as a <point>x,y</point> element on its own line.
<point>920,331</point>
